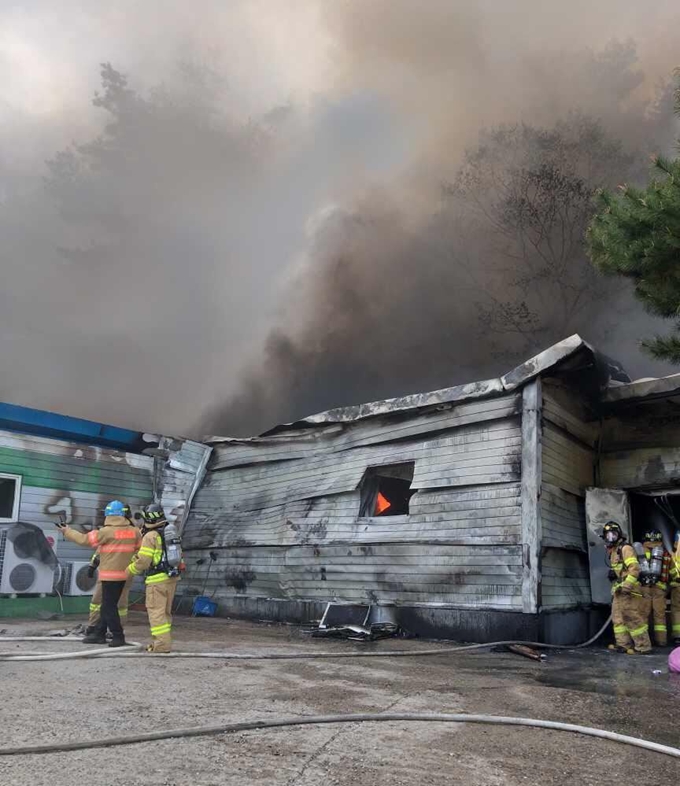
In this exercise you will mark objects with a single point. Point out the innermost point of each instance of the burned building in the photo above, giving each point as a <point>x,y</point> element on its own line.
<point>469,512</point>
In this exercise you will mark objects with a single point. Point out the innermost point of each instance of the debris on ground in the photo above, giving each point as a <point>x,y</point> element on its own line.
<point>526,652</point>
<point>374,632</point>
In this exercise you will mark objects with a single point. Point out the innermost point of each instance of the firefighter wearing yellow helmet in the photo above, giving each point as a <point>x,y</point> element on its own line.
<point>159,559</point>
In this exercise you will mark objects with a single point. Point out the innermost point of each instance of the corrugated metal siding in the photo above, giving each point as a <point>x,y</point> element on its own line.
<point>284,516</point>
<point>568,469</point>
<point>179,476</point>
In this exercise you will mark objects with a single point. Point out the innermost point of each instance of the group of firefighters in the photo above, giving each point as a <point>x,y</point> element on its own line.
<point>123,551</point>
<point>642,575</point>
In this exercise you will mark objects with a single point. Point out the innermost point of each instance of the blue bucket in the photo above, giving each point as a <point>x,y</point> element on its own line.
<point>203,607</point>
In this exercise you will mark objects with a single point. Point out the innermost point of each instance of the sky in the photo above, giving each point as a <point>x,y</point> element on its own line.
<point>148,290</point>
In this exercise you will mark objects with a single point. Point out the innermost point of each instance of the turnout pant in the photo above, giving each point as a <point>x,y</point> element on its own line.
<point>110,619</point>
<point>655,606</point>
<point>96,604</point>
<point>675,612</point>
<point>159,599</point>
<point>629,618</point>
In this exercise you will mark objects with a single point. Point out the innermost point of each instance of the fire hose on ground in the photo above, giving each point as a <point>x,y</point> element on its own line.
<point>133,650</point>
<point>226,728</point>
<point>233,727</point>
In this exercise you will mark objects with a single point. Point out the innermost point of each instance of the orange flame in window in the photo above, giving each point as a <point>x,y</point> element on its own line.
<point>381,504</point>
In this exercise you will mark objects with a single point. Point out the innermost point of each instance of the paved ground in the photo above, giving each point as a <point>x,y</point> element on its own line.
<point>87,699</point>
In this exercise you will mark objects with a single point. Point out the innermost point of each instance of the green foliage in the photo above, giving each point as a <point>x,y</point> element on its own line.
<point>636,234</point>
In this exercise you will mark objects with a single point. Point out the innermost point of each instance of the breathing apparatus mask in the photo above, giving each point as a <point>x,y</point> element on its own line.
<point>611,533</point>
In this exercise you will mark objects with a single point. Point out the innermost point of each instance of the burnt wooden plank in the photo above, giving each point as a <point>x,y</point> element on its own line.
<point>531,490</point>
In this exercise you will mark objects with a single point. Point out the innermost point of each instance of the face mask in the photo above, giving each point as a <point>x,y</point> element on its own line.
<point>611,537</point>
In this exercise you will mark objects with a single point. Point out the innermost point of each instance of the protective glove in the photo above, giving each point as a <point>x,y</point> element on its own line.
<point>612,575</point>
<point>94,564</point>
<point>626,588</point>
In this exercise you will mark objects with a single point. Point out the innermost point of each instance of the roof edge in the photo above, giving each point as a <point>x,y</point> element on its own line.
<point>472,391</point>
<point>642,389</point>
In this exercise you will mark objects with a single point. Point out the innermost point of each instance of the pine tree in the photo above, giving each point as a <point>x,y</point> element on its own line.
<point>637,235</point>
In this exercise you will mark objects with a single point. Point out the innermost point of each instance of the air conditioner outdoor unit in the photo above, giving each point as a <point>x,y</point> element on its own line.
<point>27,560</point>
<point>76,580</point>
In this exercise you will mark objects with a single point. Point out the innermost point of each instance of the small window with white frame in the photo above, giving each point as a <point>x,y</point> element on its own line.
<point>10,495</point>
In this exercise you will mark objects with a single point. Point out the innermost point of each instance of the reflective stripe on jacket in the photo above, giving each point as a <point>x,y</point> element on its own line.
<point>624,563</point>
<point>116,542</point>
<point>675,571</point>
<point>149,557</point>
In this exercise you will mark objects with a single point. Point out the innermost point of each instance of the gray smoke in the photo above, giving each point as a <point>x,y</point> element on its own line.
<point>267,212</point>
<point>517,113</point>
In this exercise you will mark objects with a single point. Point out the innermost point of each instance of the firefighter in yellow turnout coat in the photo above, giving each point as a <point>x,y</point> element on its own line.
<point>656,585</point>
<point>161,580</point>
<point>675,593</point>
<point>117,541</point>
<point>629,617</point>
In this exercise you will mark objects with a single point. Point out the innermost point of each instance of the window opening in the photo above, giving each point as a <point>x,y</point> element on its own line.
<point>10,492</point>
<point>386,491</point>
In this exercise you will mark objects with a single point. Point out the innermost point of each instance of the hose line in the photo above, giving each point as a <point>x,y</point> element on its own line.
<point>132,647</point>
<point>223,728</point>
<point>133,651</point>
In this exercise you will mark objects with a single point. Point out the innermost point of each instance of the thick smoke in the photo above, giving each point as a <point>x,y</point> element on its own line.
<point>270,211</point>
<point>448,271</point>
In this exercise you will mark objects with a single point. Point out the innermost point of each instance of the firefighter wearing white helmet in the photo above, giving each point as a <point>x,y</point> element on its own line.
<point>160,559</point>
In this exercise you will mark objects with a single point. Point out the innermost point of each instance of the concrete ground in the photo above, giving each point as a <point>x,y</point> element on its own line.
<point>65,700</point>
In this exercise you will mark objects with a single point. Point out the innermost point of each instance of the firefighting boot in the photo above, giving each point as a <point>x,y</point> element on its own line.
<point>94,637</point>
<point>118,641</point>
<point>622,650</point>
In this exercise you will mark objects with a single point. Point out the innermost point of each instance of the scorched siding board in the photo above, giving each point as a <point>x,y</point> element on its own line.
<point>566,463</point>
<point>483,512</point>
<point>439,462</point>
<point>568,469</point>
<point>404,574</point>
<point>644,468</point>
<point>564,519</point>
<point>565,579</point>
<point>290,528</point>
<point>339,438</point>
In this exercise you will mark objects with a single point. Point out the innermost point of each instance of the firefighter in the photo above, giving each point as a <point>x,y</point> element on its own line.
<point>631,631</point>
<point>96,600</point>
<point>675,592</point>
<point>117,542</point>
<point>655,584</point>
<point>95,609</point>
<point>161,577</point>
